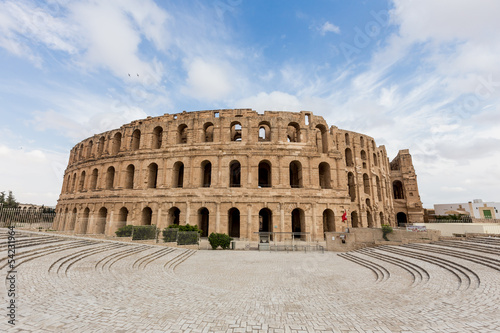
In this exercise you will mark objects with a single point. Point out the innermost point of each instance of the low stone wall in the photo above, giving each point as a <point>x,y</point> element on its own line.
<point>450,229</point>
<point>360,238</point>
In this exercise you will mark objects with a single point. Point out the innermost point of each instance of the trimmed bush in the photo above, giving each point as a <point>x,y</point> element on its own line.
<point>221,240</point>
<point>182,234</point>
<point>187,237</point>
<point>386,229</point>
<point>170,235</point>
<point>125,231</point>
<point>144,232</point>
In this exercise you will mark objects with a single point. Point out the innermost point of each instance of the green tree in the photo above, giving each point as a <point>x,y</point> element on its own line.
<point>2,197</point>
<point>11,201</point>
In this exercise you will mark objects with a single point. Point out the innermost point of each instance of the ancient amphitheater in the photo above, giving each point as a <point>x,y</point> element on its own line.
<point>236,172</point>
<point>78,284</point>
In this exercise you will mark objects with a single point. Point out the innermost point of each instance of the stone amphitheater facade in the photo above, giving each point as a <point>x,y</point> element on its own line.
<point>236,172</point>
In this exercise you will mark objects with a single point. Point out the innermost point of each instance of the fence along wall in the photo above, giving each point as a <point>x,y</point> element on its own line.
<point>32,218</point>
<point>231,171</point>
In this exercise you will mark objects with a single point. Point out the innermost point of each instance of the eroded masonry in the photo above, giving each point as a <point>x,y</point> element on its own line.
<point>236,172</point>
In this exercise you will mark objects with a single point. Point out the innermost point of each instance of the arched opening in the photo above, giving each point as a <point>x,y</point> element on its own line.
<point>322,138</point>
<point>73,184</point>
<point>206,174</point>
<point>100,226</point>
<point>354,220</point>
<point>93,179</point>
<point>298,222</point>
<point>325,181</point>
<point>136,139</point>
<point>348,157</point>
<point>233,223</point>
<point>295,174</point>
<point>110,178</point>
<point>265,220</point>
<point>72,222</point>
<point>89,149</point>
<point>84,221</point>
<point>152,175</point>
<point>157,137</point>
<point>379,190</point>
<point>235,174</point>
<point>369,219</point>
<point>68,184</point>
<point>65,223</point>
<point>264,131</point>
<point>265,179</point>
<point>401,218</point>
<point>208,132</point>
<point>146,216</point>
<point>203,221</point>
<point>363,155</point>
<point>352,186</point>
<point>81,183</point>
<point>366,183</point>
<point>122,217</point>
<point>293,132</point>
<point>178,174</point>
<point>362,142</point>
<point>382,218</point>
<point>236,131</point>
<point>346,138</point>
<point>397,188</point>
<point>174,216</point>
<point>129,177</point>
<point>375,161</point>
<point>328,221</point>
<point>80,152</point>
<point>182,133</point>
<point>117,143</point>
<point>100,146</point>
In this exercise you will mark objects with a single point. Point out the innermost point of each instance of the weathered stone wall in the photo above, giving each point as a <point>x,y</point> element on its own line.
<point>231,171</point>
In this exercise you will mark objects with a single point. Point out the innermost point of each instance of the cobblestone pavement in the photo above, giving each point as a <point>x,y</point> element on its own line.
<point>84,285</point>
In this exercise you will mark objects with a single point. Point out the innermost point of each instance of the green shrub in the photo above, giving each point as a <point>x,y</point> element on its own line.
<point>386,229</point>
<point>144,232</point>
<point>170,234</point>
<point>125,231</point>
<point>187,237</point>
<point>221,240</point>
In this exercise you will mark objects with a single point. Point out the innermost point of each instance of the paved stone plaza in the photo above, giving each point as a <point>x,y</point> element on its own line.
<point>69,284</point>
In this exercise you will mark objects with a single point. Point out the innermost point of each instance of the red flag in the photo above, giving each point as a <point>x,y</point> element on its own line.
<point>344,216</point>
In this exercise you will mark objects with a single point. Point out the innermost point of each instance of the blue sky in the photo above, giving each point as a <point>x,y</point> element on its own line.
<point>423,75</point>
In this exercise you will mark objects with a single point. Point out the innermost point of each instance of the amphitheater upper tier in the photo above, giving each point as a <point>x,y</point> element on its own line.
<point>237,172</point>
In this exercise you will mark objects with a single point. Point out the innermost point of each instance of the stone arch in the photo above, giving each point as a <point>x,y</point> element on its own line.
<point>174,216</point>
<point>265,220</point>
<point>236,131</point>
<point>73,183</point>
<point>397,188</point>
<point>295,169</point>
<point>298,222</point>
<point>363,155</point>
<point>122,218</point>
<point>325,180</point>
<point>152,175</point>
<point>65,220</point>
<point>328,221</point>
<point>293,132</point>
<point>346,139</point>
<point>81,183</point>
<point>146,216</point>
<point>129,176</point>
<point>100,146</point>
<point>322,138</point>
<point>110,178</point>
<point>264,131</point>
<point>381,215</point>
<point>80,152</point>
<point>203,221</point>
<point>72,221</point>
<point>206,173</point>
<point>182,133</point>
<point>235,174</point>
<point>362,142</point>
<point>348,157</point>
<point>100,224</point>
<point>402,219</point>
<point>265,174</point>
<point>366,183</point>
<point>90,146</point>
<point>375,160</point>
<point>233,223</point>
<point>208,132</point>
<point>136,139</point>
<point>84,221</point>
<point>117,142</point>
<point>352,186</point>
<point>369,219</point>
<point>157,137</point>
<point>93,179</point>
<point>68,184</point>
<point>178,174</point>
<point>354,220</point>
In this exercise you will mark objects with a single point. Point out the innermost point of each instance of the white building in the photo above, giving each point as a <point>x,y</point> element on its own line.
<point>476,209</point>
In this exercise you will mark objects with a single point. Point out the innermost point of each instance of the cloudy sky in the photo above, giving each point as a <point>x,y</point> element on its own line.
<point>423,75</point>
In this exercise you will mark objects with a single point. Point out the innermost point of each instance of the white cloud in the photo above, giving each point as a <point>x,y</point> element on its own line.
<point>329,27</point>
